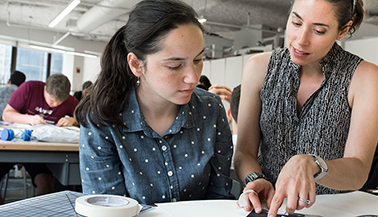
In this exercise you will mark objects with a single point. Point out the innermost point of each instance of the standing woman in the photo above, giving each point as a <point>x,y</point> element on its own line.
<point>146,131</point>
<point>313,106</point>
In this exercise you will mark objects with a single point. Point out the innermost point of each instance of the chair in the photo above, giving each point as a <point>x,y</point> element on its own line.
<point>5,182</point>
<point>4,185</point>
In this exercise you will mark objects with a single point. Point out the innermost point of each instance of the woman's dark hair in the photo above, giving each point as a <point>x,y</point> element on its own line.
<point>149,22</point>
<point>346,10</point>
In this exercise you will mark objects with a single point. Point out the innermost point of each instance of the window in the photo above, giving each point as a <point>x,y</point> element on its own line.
<point>5,63</point>
<point>56,63</point>
<point>33,63</point>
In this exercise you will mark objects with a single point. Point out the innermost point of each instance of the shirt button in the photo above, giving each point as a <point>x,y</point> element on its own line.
<point>170,173</point>
<point>164,147</point>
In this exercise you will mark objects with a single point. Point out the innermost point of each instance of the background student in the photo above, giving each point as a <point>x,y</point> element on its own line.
<point>146,131</point>
<point>16,79</point>
<point>222,91</point>
<point>84,90</point>
<point>311,97</point>
<point>232,114</point>
<point>204,82</point>
<point>36,102</point>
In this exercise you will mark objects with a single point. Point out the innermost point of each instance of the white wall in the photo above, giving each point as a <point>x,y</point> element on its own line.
<point>234,71</point>
<point>226,71</point>
<point>218,71</point>
<point>92,69</point>
<point>365,48</point>
<point>68,64</point>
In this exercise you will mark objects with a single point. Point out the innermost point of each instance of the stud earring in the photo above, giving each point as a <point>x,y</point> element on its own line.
<point>138,81</point>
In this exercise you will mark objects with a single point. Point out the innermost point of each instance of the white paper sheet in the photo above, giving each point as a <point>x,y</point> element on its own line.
<point>344,205</point>
<point>338,205</point>
<point>213,208</point>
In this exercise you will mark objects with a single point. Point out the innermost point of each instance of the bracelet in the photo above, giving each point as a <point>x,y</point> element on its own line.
<point>252,177</point>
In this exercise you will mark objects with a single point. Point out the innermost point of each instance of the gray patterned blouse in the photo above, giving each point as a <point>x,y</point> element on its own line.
<point>322,124</point>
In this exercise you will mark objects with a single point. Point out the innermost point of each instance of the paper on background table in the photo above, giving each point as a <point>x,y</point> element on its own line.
<point>4,124</point>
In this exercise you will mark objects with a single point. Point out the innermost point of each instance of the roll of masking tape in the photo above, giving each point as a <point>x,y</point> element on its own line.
<point>106,205</point>
<point>7,134</point>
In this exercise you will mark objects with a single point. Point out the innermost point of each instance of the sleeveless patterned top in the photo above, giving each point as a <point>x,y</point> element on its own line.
<point>320,127</point>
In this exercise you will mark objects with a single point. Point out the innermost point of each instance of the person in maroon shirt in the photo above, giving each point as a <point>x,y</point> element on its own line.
<point>36,102</point>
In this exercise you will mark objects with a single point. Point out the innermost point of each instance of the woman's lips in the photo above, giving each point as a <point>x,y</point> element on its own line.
<point>300,52</point>
<point>188,91</point>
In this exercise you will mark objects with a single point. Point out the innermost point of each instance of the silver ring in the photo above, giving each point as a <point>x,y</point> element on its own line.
<point>304,200</point>
<point>254,192</point>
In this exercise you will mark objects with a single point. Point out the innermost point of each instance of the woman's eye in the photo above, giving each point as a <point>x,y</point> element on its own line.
<point>174,67</point>
<point>319,32</point>
<point>198,60</point>
<point>295,23</point>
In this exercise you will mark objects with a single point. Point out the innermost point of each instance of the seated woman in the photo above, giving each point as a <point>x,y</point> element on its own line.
<point>146,131</point>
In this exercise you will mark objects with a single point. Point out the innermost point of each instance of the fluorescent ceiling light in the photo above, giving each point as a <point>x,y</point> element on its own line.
<point>64,13</point>
<point>51,49</point>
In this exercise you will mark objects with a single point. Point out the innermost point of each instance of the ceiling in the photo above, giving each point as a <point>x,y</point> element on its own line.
<point>97,20</point>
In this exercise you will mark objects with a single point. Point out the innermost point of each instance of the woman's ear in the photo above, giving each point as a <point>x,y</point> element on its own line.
<point>345,30</point>
<point>229,115</point>
<point>135,64</point>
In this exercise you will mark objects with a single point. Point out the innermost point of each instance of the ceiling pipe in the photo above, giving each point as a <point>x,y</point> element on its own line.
<point>238,27</point>
<point>103,12</point>
<point>61,39</point>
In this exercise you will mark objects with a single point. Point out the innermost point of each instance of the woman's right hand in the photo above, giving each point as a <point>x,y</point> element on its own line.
<point>264,190</point>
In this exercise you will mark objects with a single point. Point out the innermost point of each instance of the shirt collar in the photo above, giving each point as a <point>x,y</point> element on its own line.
<point>327,63</point>
<point>331,60</point>
<point>135,121</point>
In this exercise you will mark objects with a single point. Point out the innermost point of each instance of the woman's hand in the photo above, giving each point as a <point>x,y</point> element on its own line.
<point>261,189</point>
<point>296,183</point>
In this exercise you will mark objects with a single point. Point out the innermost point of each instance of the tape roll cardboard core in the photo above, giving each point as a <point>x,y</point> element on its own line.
<point>106,205</point>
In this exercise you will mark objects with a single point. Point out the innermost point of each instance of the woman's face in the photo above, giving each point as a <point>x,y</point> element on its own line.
<point>311,31</point>
<point>172,73</point>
